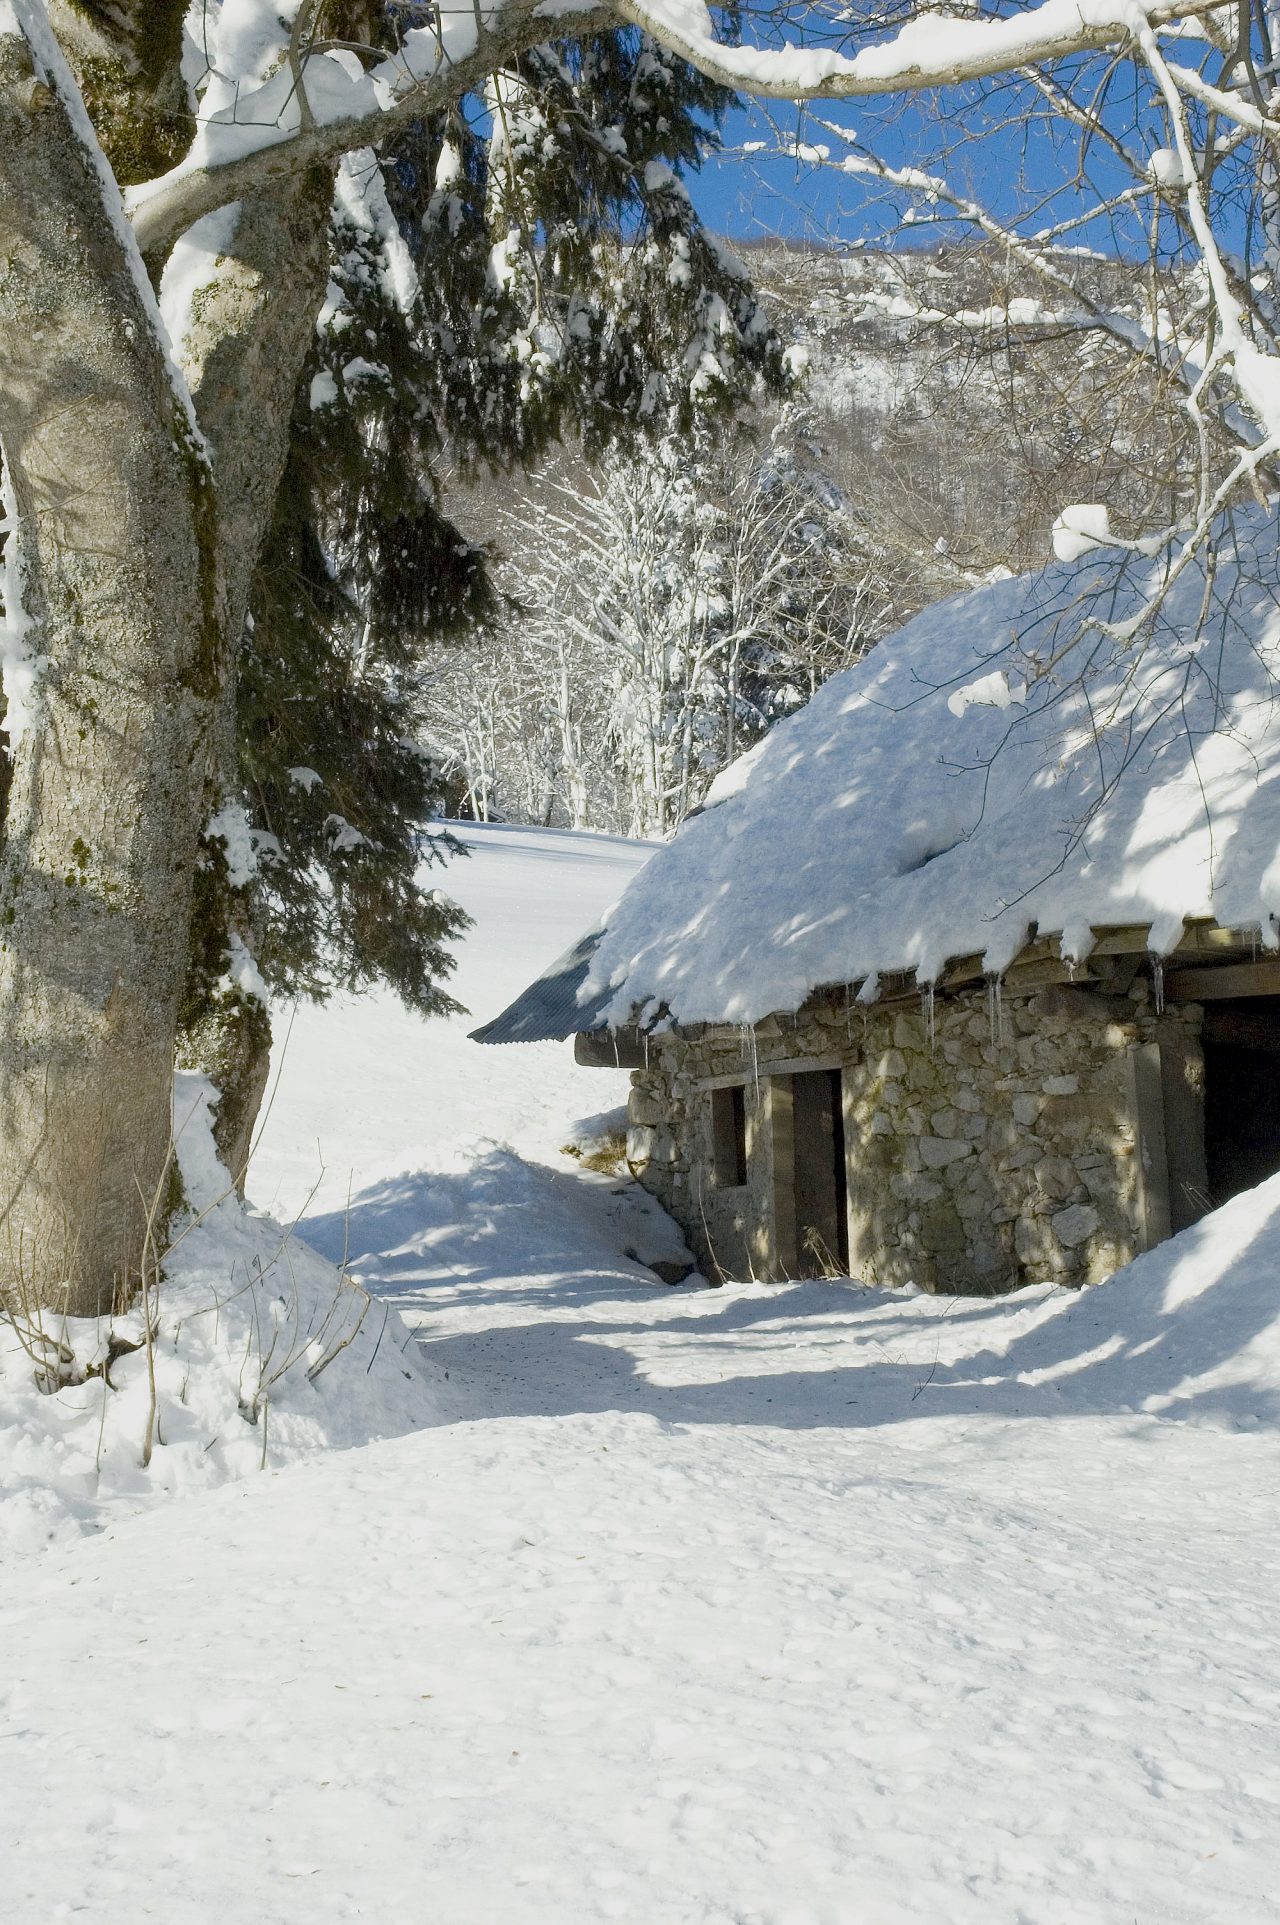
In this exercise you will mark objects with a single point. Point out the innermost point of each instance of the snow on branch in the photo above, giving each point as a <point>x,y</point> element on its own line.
<point>930,50</point>
<point>280,100</point>
<point>261,121</point>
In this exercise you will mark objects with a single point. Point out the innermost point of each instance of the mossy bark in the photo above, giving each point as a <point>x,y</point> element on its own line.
<point>127,60</point>
<point>231,1042</point>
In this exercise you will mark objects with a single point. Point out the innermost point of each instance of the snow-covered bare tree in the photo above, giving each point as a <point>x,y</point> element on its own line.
<point>1148,131</point>
<point>669,603</point>
<point>139,486</point>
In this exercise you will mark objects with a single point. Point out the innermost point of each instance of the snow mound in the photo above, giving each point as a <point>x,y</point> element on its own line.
<point>1188,1334</point>
<point>1189,1331</point>
<point>1068,749</point>
<point>263,1353</point>
<point>483,1215</point>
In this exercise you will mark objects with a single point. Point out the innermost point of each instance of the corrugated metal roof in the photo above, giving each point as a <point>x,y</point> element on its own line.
<point>549,1010</point>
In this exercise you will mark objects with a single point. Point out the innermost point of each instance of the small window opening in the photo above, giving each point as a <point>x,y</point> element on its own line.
<point>729,1134</point>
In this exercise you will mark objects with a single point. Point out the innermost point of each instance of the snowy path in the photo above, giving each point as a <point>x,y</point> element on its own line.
<point>654,1657</point>
<point>804,1606</point>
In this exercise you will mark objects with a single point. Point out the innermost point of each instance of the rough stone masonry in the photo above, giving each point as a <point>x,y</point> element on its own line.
<point>991,1139</point>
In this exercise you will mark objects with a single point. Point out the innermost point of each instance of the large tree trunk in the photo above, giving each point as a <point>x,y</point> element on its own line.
<point>117,532</point>
<point>242,359</point>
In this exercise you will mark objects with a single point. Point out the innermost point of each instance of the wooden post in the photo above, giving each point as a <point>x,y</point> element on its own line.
<point>1152,1216</point>
<point>1182,1083</point>
<point>849,1117</point>
<point>783,1256</point>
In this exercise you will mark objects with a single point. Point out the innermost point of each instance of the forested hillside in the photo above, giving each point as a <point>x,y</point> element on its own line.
<point>666,608</point>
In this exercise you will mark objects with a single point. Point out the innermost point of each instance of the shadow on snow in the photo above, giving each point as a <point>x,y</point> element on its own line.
<point>502,1239</point>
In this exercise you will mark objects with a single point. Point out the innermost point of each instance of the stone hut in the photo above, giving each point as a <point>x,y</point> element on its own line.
<point>967,975</point>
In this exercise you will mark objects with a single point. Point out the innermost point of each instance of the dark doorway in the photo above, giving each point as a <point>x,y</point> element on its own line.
<point>822,1213</point>
<point>1241,1094</point>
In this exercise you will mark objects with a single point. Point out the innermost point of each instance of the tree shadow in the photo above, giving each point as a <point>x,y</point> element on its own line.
<point>556,1322</point>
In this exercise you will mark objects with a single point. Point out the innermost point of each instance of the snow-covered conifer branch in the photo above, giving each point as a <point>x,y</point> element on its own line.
<point>323,104</point>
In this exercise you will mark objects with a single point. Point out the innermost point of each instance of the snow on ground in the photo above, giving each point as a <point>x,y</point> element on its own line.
<point>263,1354</point>
<point>365,1094</point>
<point>811,1605</point>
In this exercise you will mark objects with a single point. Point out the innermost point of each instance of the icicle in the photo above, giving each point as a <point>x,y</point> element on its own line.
<point>995,1009</point>
<point>927,1009</point>
<point>755,1061</point>
<point>1157,982</point>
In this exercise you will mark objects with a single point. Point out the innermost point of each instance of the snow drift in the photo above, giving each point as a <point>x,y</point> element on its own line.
<point>264,1353</point>
<point>1187,1333</point>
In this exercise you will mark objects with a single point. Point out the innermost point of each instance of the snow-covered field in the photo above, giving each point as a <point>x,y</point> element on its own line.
<point>762,1606</point>
<point>365,1094</point>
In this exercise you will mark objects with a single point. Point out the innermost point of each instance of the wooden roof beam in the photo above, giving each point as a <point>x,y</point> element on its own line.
<point>1214,984</point>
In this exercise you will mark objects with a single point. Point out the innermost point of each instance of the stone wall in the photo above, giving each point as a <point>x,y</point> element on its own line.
<point>989,1143</point>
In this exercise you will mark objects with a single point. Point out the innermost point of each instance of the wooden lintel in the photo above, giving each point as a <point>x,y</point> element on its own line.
<point>1121,942</point>
<point>731,1079</point>
<point>785,1066</point>
<point>1228,980</point>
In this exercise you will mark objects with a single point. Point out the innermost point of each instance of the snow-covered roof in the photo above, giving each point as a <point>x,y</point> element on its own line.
<point>1003,761</point>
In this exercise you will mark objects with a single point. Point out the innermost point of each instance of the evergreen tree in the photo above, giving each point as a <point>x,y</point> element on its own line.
<point>527,268</point>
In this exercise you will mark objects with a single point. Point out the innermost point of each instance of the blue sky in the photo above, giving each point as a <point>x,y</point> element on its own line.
<point>742,198</point>
<point>1007,162</point>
